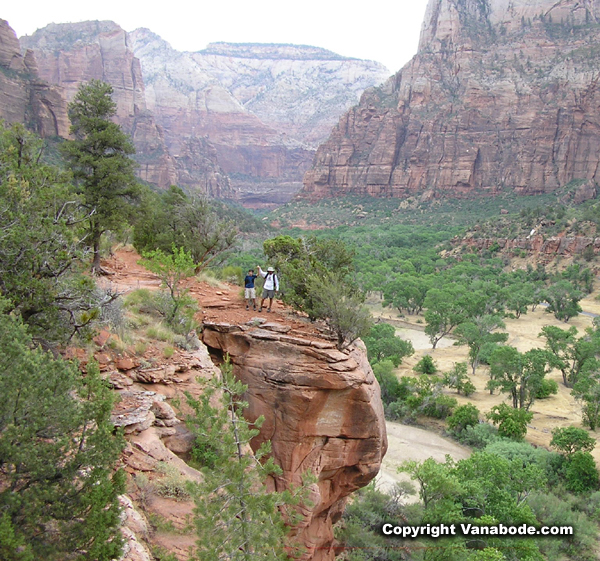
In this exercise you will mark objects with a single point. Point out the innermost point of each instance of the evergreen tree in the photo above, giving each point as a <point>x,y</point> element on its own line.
<point>41,256</point>
<point>172,219</point>
<point>99,157</point>
<point>58,498</point>
<point>235,516</point>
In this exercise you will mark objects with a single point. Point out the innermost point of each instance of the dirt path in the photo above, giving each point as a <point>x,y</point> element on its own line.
<point>413,443</point>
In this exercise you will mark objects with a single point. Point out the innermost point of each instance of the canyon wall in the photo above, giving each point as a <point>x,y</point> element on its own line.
<point>24,96</point>
<point>502,96</point>
<point>264,108</point>
<point>234,121</point>
<point>71,54</point>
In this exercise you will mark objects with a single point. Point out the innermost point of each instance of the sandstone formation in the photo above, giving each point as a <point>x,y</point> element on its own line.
<point>323,414</point>
<point>71,54</point>
<point>263,107</point>
<point>501,96</point>
<point>24,96</point>
<point>233,121</point>
<point>565,246</point>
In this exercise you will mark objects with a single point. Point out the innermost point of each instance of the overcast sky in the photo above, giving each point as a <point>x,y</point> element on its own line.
<point>383,30</point>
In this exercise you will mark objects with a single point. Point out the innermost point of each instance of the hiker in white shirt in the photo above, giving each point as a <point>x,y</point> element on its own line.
<point>270,287</point>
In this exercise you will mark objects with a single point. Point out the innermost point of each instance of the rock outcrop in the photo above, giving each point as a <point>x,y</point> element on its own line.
<point>323,414</point>
<point>24,96</point>
<point>549,248</point>
<point>501,96</point>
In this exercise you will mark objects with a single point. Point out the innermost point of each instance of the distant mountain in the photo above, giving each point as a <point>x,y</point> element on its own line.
<point>501,96</point>
<point>235,120</point>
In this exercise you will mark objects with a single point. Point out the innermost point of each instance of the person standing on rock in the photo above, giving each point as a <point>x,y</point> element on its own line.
<point>270,287</point>
<point>249,290</point>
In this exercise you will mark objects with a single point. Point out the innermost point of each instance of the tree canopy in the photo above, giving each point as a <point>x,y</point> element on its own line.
<point>99,157</point>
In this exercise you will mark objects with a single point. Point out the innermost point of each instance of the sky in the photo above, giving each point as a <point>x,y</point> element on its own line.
<point>386,31</point>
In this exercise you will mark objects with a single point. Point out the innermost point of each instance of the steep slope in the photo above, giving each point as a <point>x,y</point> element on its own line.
<point>502,95</point>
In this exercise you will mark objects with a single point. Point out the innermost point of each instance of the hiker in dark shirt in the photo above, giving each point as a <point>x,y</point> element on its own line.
<point>249,290</point>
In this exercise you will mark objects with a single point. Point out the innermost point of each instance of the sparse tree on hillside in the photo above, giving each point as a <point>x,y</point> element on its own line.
<point>99,156</point>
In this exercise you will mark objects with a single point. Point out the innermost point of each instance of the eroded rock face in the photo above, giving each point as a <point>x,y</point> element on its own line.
<point>264,108</point>
<point>24,96</point>
<point>501,95</point>
<point>72,54</point>
<point>323,414</point>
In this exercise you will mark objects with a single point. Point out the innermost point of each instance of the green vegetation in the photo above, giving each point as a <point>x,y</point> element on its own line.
<point>57,452</point>
<point>235,516</point>
<point>172,269</point>
<point>99,157</point>
<point>41,256</point>
<point>175,220</point>
<point>383,344</point>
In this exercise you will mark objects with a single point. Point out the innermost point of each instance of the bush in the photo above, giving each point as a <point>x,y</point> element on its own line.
<point>581,473</point>
<point>546,389</point>
<point>463,417</point>
<point>512,423</point>
<point>439,406</point>
<point>478,436</point>
<point>391,388</point>
<point>426,365</point>
<point>399,410</point>
<point>342,309</point>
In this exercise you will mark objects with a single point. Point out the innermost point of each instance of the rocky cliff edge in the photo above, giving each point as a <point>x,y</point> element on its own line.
<point>322,409</point>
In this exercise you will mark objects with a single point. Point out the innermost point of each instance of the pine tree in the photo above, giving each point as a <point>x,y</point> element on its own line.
<point>58,487</point>
<point>41,255</point>
<point>99,157</point>
<point>236,518</point>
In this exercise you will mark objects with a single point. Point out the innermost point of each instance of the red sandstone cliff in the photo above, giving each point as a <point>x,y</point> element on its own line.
<point>322,408</point>
<point>323,415</point>
<point>500,96</point>
<point>24,96</point>
<point>71,54</point>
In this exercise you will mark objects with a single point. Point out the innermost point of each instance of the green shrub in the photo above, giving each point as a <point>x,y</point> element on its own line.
<point>478,436</point>
<point>439,406</point>
<point>546,389</point>
<point>581,473</point>
<point>464,416</point>
<point>391,388</point>
<point>426,365</point>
